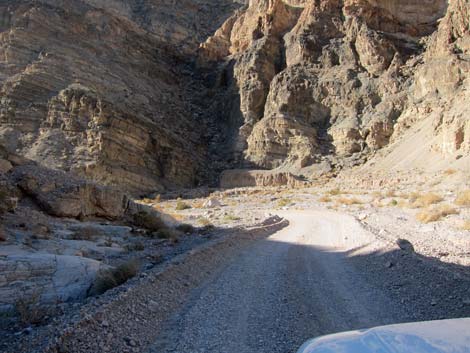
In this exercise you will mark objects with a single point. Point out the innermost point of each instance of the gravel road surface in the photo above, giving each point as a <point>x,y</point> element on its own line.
<point>299,283</point>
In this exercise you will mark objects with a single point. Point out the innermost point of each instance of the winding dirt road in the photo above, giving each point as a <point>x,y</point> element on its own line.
<point>296,284</point>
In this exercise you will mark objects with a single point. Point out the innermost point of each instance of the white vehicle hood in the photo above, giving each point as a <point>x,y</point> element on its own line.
<point>445,336</point>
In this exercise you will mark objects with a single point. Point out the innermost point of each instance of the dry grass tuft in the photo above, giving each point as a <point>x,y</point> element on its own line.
<point>335,192</point>
<point>231,218</point>
<point>204,222</point>
<point>391,193</point>
<point>426,200</point>
<point>198,204</point>
<point>325,199</point>
<point>283,202</point>
<point>349,201</point>
<point>450,171</point>
<point>463,199</point>
<point>466,225</point>
<point>434,215</point>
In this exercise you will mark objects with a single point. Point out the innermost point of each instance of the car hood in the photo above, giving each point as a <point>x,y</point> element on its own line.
<point>445,336</point>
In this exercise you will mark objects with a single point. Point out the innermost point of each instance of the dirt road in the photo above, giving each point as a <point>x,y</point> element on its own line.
<point>299,283</point>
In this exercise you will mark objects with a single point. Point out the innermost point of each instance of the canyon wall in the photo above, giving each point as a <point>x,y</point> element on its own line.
<point>339,80</point>
<point>151,94</point>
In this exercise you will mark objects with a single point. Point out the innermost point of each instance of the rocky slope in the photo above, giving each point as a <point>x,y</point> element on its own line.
<point>339,80</point>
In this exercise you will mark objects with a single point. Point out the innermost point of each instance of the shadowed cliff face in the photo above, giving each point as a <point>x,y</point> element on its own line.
<point>99,87</point>
<point>338,80</point>
<point>109,89</point>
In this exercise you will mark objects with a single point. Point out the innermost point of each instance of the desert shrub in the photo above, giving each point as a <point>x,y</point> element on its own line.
<point>283,202</point>
<point>148,221</point>
<point>426,200</point>
<point>135,247</point>
<point>393,203</point>
<point>463,199</point>
<point>325,199</point>
<point>436,214</point>
<point>335,192</point>
<point>185,228</point>
<point>230,218</point>
<point>167,233</point>
<point>29,309</point>
<point>349,201</point>
<point>204,221</point>
<point>450,171</point>
<point>85,233</point>
<point>111,278</point>
<point>466,225</point>
<point>181,205</point>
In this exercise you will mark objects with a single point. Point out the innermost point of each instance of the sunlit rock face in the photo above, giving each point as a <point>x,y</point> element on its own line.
<point>339,78</point>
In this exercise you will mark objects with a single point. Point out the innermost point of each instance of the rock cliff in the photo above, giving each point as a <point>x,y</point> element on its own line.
<point>97,87</point>
<point>336,81</point>
<point>150,94</point>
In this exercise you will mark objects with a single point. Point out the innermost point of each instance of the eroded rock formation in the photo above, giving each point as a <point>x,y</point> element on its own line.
<point>97,87</point>
<point>333,79</point>
<point>139,94</point>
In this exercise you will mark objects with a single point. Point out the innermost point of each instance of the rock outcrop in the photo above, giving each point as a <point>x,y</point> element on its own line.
<point>97,87</point>
<point>332,78</point>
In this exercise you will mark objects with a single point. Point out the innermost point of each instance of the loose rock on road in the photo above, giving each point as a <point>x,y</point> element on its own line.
<point>296,284</point>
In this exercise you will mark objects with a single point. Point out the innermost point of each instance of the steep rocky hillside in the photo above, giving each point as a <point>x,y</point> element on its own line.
<point>332,81</point>
<point>149,94</point>
<point>97,87</point>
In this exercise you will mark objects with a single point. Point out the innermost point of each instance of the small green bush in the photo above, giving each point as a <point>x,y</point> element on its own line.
<point>181,205</point>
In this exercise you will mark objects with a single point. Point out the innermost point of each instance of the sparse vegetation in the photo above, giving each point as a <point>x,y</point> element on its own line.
<point>181,205</point>
<point>436,214</point>
<point>335,192</point>
<point>167,233</point>
<point>463,199</point>
<point>325,199</point>
<point>185,228</point>
<point>466,225</point>
<point>426,200</point>
<point>393,203</point>
<point>450,171</point>
<point>85,233</point>
<point>135,247</point>
<point>283,202</point>
<point>231,218</point>
<point>348,201</point>
<point>108,279</point>
<point>29,309</point>
<point>204,221</point>
<point>148,221</point>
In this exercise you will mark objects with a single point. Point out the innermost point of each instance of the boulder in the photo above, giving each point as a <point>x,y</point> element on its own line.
<point>53,278</point>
